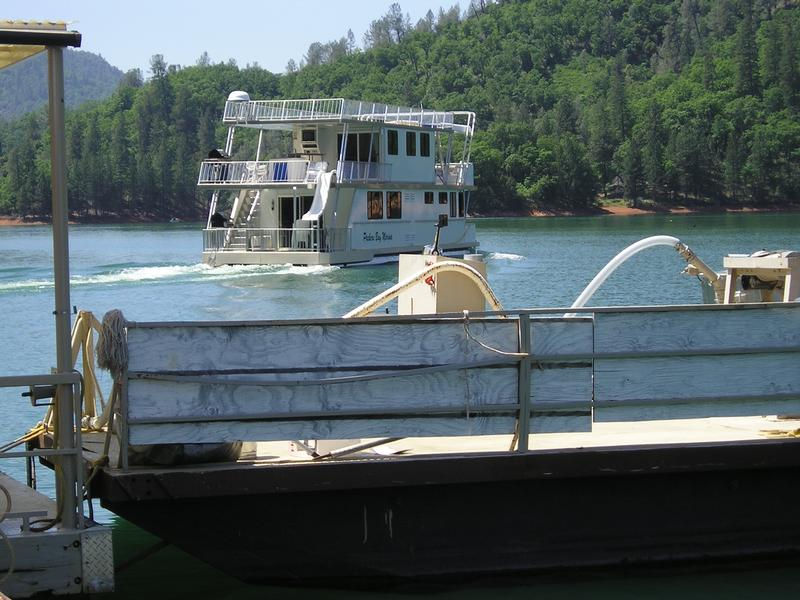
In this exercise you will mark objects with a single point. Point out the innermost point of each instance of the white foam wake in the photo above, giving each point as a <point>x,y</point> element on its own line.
<point>504,256</point>
<point>174,273</point>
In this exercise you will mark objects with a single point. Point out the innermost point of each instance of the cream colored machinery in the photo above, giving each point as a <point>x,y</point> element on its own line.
<point>762,277</point>
<point>441,292</point>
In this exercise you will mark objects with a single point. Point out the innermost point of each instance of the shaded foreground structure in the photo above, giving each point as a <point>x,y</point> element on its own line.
<point>46,545</point>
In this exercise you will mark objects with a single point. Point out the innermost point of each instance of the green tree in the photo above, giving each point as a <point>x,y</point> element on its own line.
<point>746,54</point>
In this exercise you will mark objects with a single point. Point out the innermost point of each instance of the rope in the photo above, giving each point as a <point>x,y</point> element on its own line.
<point>31,435</point>
<point>12,557</point>
<point>112,351</point>
<point>515,437</point>
<point>489,348</point>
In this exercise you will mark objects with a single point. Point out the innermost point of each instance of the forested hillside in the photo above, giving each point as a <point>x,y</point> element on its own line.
<point>87,76</point>
<point>670,101</point>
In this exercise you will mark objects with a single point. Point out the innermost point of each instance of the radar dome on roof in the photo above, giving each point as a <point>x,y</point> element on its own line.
<point>238,96</point>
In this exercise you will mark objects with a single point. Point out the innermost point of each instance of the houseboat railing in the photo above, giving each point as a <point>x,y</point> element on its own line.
<point>455,173</point>
<point>237,172</point>
<point>339,109</point>
<point>284,110</point>
<point>364,171</point>
<point>274,239</point>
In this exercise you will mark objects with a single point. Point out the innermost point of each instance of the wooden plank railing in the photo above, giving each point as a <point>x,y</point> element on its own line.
<point>418,376</point>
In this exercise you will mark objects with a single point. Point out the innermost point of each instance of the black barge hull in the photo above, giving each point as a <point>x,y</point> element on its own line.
<point>486,513</point>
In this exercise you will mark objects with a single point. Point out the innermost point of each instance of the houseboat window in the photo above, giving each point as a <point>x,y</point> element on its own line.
<point>424,144</point>
<point>374,205</point>
<point>309,135</point>
<point>453,207</point>
<point>394,205</point>
<point>391,140</point>
<point>460,204</point>
<point>428,197</point>
<point>442,197</point>
<point>411,143</point>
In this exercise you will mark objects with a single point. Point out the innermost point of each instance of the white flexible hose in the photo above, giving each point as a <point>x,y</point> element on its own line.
<point>614,263</point>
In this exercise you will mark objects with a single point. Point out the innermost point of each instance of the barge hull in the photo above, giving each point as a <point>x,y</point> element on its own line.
<point>492,513</point>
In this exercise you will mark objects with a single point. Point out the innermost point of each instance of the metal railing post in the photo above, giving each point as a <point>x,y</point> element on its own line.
<point>66,475</point>
<point>524,381</point>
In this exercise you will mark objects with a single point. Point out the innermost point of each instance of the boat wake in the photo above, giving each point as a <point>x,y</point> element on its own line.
<point>504,256</point>
<point>168,273</point>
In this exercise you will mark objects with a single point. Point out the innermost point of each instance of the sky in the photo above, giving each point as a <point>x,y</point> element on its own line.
<point>268,32</point>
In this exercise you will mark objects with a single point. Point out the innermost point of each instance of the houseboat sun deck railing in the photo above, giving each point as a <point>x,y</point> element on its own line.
<point>339,109</point>
<point>385,173</point>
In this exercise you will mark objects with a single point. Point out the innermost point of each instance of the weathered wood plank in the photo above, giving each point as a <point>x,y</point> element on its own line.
<point>561,385</point>
<point>476,387</point>
<point>319,429</point>
<point>567,385</point>
<point>688,330</point>
<point>732,385</point>
<point>709,408</point>
<point>329,345</point>
<point>570,390</point>
<point>552,338</point>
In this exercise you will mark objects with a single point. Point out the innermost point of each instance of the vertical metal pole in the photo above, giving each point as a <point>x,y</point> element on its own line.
<point>260,139</point>
<point>524,382</point>
<point>65,429</point>
<point>342,153</point>
<point>229,141</point>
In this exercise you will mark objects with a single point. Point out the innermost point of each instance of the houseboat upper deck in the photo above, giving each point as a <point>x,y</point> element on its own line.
<point>363,181</point>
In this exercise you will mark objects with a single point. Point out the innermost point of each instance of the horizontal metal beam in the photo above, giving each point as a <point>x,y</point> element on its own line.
<point>40,37</point>
<point>496,316</point>
<point>41,452</point>
<point>48,379</point>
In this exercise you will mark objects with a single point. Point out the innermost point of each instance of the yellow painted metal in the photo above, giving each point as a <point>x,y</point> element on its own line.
<point>13,53</point>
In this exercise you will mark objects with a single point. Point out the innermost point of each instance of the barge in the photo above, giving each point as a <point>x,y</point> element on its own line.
<point>427,445</point>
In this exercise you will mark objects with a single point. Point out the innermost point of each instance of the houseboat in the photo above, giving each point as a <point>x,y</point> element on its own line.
<point>363,182</point>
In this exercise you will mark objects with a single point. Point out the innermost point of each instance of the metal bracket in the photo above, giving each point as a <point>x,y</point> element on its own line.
<point>40,392</point>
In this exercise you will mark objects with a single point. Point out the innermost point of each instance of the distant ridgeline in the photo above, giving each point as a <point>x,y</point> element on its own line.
<point>671,101</point>
<point>87,76</point>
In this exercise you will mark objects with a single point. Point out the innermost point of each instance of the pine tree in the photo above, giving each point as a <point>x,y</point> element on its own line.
<point>633,171</point>
<point>653,151</point>
<point>746,54</point>
<point>618,100</point>
<point>734,163</point>
<point>121,164</point>
<point>789,75</point>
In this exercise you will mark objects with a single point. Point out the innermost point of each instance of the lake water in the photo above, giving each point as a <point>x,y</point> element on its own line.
<point>153,272</point>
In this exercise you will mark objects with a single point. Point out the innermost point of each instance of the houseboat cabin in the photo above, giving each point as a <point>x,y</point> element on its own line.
<point>363,182</point>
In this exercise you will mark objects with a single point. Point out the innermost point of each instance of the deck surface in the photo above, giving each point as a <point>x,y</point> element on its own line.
<point>604,435</point>
<point>43,562</point>
<point>23,499</point>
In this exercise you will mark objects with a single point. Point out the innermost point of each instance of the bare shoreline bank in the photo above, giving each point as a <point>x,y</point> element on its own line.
<point>610,211</point>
